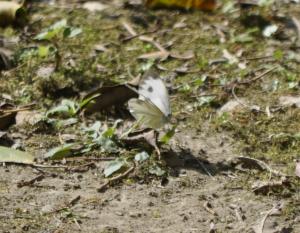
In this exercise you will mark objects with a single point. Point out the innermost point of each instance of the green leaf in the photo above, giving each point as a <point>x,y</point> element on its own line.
<point>114,166</point>
<point>43,51</point>
<point>205,100</point>
<point>16,156</point>
<point>140,157</point>
<point>106,144</point>
<point>246,37</point>
<point>26,53</point>
<point>293,85</point>
<point>86,101</point>
<point>156,170</point>
<point>67,107</point>
<point>296,136</point>
<point>185,88</point>
<point>278,54</point>
<point>52,31</point>
<point>109,133</point>
<point>59,25</point>
<point>166,138</point>
<point>66,122</point>
<point>265,2</point>
<point>60,152</point>
<point>93,131</point>
<point>70,32</point>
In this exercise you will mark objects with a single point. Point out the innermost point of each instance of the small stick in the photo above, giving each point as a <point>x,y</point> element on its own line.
<point>17,109</point>
<point>135,125</point>
<point>133,33</point>
<point>238,100</point>
<point>30,182</point>
<point>138,35</point>
<point>261,227</point>
<point>119,177</point>
<point>90,159</point>
<point>128,27</point>
<point>47,166</point>
<point>208,208</point>
<point>263,165</point>
<point>70,204</point>
<point>37,165</point>
<point>256,58</point>
<point>259,76</point>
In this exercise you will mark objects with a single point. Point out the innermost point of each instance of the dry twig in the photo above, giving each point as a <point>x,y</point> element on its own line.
<point>260,228</point>
<point>208,208</point>
<point>259,76</point>
<point>119,177</point>
<point>23,183</point>
<point>263,166</point>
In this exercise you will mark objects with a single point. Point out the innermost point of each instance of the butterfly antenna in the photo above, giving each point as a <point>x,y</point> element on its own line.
<point>131,88</point>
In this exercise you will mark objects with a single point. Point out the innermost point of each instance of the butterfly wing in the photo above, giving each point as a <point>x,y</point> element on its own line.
<point>154,89</point>
<point>148,114</point>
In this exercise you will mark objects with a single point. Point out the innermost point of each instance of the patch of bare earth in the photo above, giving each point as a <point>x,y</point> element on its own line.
<point>190,201</point>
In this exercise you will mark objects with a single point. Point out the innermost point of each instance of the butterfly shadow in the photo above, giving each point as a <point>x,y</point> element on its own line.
<point>185,159</point>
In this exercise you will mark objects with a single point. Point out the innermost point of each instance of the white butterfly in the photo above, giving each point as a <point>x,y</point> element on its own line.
<point>152,108</point>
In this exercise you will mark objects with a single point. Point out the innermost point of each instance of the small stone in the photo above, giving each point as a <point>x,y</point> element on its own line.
<point>290,101</point>
<point>231,106</point>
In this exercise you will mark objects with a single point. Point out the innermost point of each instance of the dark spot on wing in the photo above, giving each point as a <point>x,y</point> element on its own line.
<point>150,89</point>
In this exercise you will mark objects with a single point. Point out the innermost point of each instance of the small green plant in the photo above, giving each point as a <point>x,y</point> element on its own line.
<point>56,34</point>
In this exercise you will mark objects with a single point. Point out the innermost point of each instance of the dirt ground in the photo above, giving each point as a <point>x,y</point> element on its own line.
<point>191,201</point>
<point>207,186</point>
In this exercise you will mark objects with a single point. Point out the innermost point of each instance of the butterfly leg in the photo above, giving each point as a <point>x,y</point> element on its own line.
<point>133,127</point>
<point>156,147</point>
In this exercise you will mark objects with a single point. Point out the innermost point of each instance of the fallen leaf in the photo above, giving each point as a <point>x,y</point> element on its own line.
<point>297,169</point>
<point>52,31</point>
<point>45,71</point>
<point>28,117</point>
<point>61,152</point>
<point>100,48</point>
<point>156,170</point>
<point>265,187</point>
<point>94,6</point>
<point>114,166</point>
<point>180,24</point>
<point>185,4</point>
<point>290,101</point>
<point>108,96</point>
<point>15,156</point>
<point>230,57</point>
<point>231,106</point>
<point>142,156</point>
<point>184,56</point>
<point>145,135</point>
<point>66,108</point>
<point>161,55</point>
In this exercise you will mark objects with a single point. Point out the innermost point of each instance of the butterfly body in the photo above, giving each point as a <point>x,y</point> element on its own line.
<point>152,108</point>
